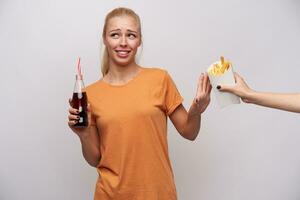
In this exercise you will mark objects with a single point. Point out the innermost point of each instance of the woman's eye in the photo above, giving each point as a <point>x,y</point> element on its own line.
<point>131,36</point>
<point>114,35</point>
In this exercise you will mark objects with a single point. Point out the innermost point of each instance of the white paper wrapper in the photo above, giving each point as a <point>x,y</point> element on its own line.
<point>224,98</point>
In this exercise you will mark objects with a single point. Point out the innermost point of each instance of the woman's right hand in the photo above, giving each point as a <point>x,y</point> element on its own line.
<point>89,136</point>
<point>73,119</point>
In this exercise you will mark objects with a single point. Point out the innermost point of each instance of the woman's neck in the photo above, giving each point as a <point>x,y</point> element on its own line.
<point>121,74</point>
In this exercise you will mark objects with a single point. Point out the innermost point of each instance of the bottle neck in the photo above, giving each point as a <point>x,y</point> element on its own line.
<point>79,85</point>
<point>78,77</point>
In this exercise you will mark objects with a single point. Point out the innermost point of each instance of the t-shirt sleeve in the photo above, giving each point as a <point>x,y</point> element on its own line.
<point>172,97</point>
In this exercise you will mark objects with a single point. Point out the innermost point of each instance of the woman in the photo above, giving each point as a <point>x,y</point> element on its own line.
<point>282,101</point>
<point>126,139</point>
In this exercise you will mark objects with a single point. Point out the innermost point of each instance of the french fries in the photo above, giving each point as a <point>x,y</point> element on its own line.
<point>219,68</point>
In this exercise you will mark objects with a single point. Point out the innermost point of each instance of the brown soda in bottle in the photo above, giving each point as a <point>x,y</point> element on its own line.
<point>80,102</point>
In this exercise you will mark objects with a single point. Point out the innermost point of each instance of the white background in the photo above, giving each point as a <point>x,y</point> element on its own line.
<point>243,152</point>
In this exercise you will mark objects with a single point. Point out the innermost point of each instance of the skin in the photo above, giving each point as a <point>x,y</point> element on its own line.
<point>282,101</point>
<point>122,40</point>
<point>188,123</point>
<point>89,136</point>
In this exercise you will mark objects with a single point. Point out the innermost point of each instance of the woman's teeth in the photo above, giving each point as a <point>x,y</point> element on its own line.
<point>122,52</point>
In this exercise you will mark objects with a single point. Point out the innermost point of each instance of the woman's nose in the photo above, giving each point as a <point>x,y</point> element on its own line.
<point>123,41</point>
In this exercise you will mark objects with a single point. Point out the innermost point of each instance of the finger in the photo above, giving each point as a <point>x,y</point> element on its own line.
<point>73,117</point>
<point>208,85</point>
<point>225,88</point>
<point>237,75</point>
<point>200,83</point>
<point>238,78</point>
<point>72,123</point>
<point>73,111</point>
<point>199,87</point>
<point>209,89</point>
<point>70,102</point>
<point>208,80</point>
<point>204,83</point>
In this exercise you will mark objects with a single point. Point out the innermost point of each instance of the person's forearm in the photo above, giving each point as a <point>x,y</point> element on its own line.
<point>193,123</point>
<point>90,150</point>
<point>288,102</point>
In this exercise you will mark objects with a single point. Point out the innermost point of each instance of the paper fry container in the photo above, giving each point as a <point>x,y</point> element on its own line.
<point>224,98</point>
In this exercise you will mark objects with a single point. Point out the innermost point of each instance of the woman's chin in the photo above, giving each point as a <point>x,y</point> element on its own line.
<point>124,62</point>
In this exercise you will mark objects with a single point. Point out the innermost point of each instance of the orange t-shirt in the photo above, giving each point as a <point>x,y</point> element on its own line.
<point>132,124</point>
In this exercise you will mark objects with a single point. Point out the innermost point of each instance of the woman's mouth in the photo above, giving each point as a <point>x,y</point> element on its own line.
<point>122,53</point>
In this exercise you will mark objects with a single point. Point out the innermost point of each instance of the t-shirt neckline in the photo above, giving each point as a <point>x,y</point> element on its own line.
<point>125,84</point>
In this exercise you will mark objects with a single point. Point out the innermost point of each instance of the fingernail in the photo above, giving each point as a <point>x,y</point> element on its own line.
<point>218,87</point>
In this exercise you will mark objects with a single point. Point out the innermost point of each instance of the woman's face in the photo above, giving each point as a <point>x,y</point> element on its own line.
<point>122,40</point>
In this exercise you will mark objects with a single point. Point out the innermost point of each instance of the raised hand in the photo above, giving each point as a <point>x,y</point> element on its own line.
<point>202,98</point>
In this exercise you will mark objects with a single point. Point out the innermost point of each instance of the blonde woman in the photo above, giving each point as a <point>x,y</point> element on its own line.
<point>283,101</point>
<point>126,139</point>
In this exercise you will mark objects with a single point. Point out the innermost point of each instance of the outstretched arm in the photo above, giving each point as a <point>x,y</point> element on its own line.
<point>282,101</point>
<point>188,123</point>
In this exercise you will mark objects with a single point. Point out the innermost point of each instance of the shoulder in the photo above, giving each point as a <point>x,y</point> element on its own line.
<point>93,87</point>
<point>156,72</point>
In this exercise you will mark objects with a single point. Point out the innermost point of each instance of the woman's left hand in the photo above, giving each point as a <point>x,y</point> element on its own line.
<point>202,98</point>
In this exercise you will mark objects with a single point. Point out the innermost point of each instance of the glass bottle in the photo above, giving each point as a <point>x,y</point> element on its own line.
<point>80,101</point>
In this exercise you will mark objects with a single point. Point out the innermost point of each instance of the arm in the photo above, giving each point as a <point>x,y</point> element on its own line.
<point>287,102</point>
<point>188,123</point>
<point>90,146</point>
<point>88,136</point>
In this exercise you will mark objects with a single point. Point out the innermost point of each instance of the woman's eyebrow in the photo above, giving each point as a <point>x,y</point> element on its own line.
<point>131,31</point>
<point>115,30</point>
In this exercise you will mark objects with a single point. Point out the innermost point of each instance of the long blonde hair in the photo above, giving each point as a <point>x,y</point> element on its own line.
<point>117,12</point>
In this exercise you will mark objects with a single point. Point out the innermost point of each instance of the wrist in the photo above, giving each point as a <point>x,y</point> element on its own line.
<point>195,111</point>
<point>251,96</point>
<point>83,136</point>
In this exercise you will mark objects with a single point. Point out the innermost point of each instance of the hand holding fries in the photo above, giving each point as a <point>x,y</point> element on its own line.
<point>240,89</point>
